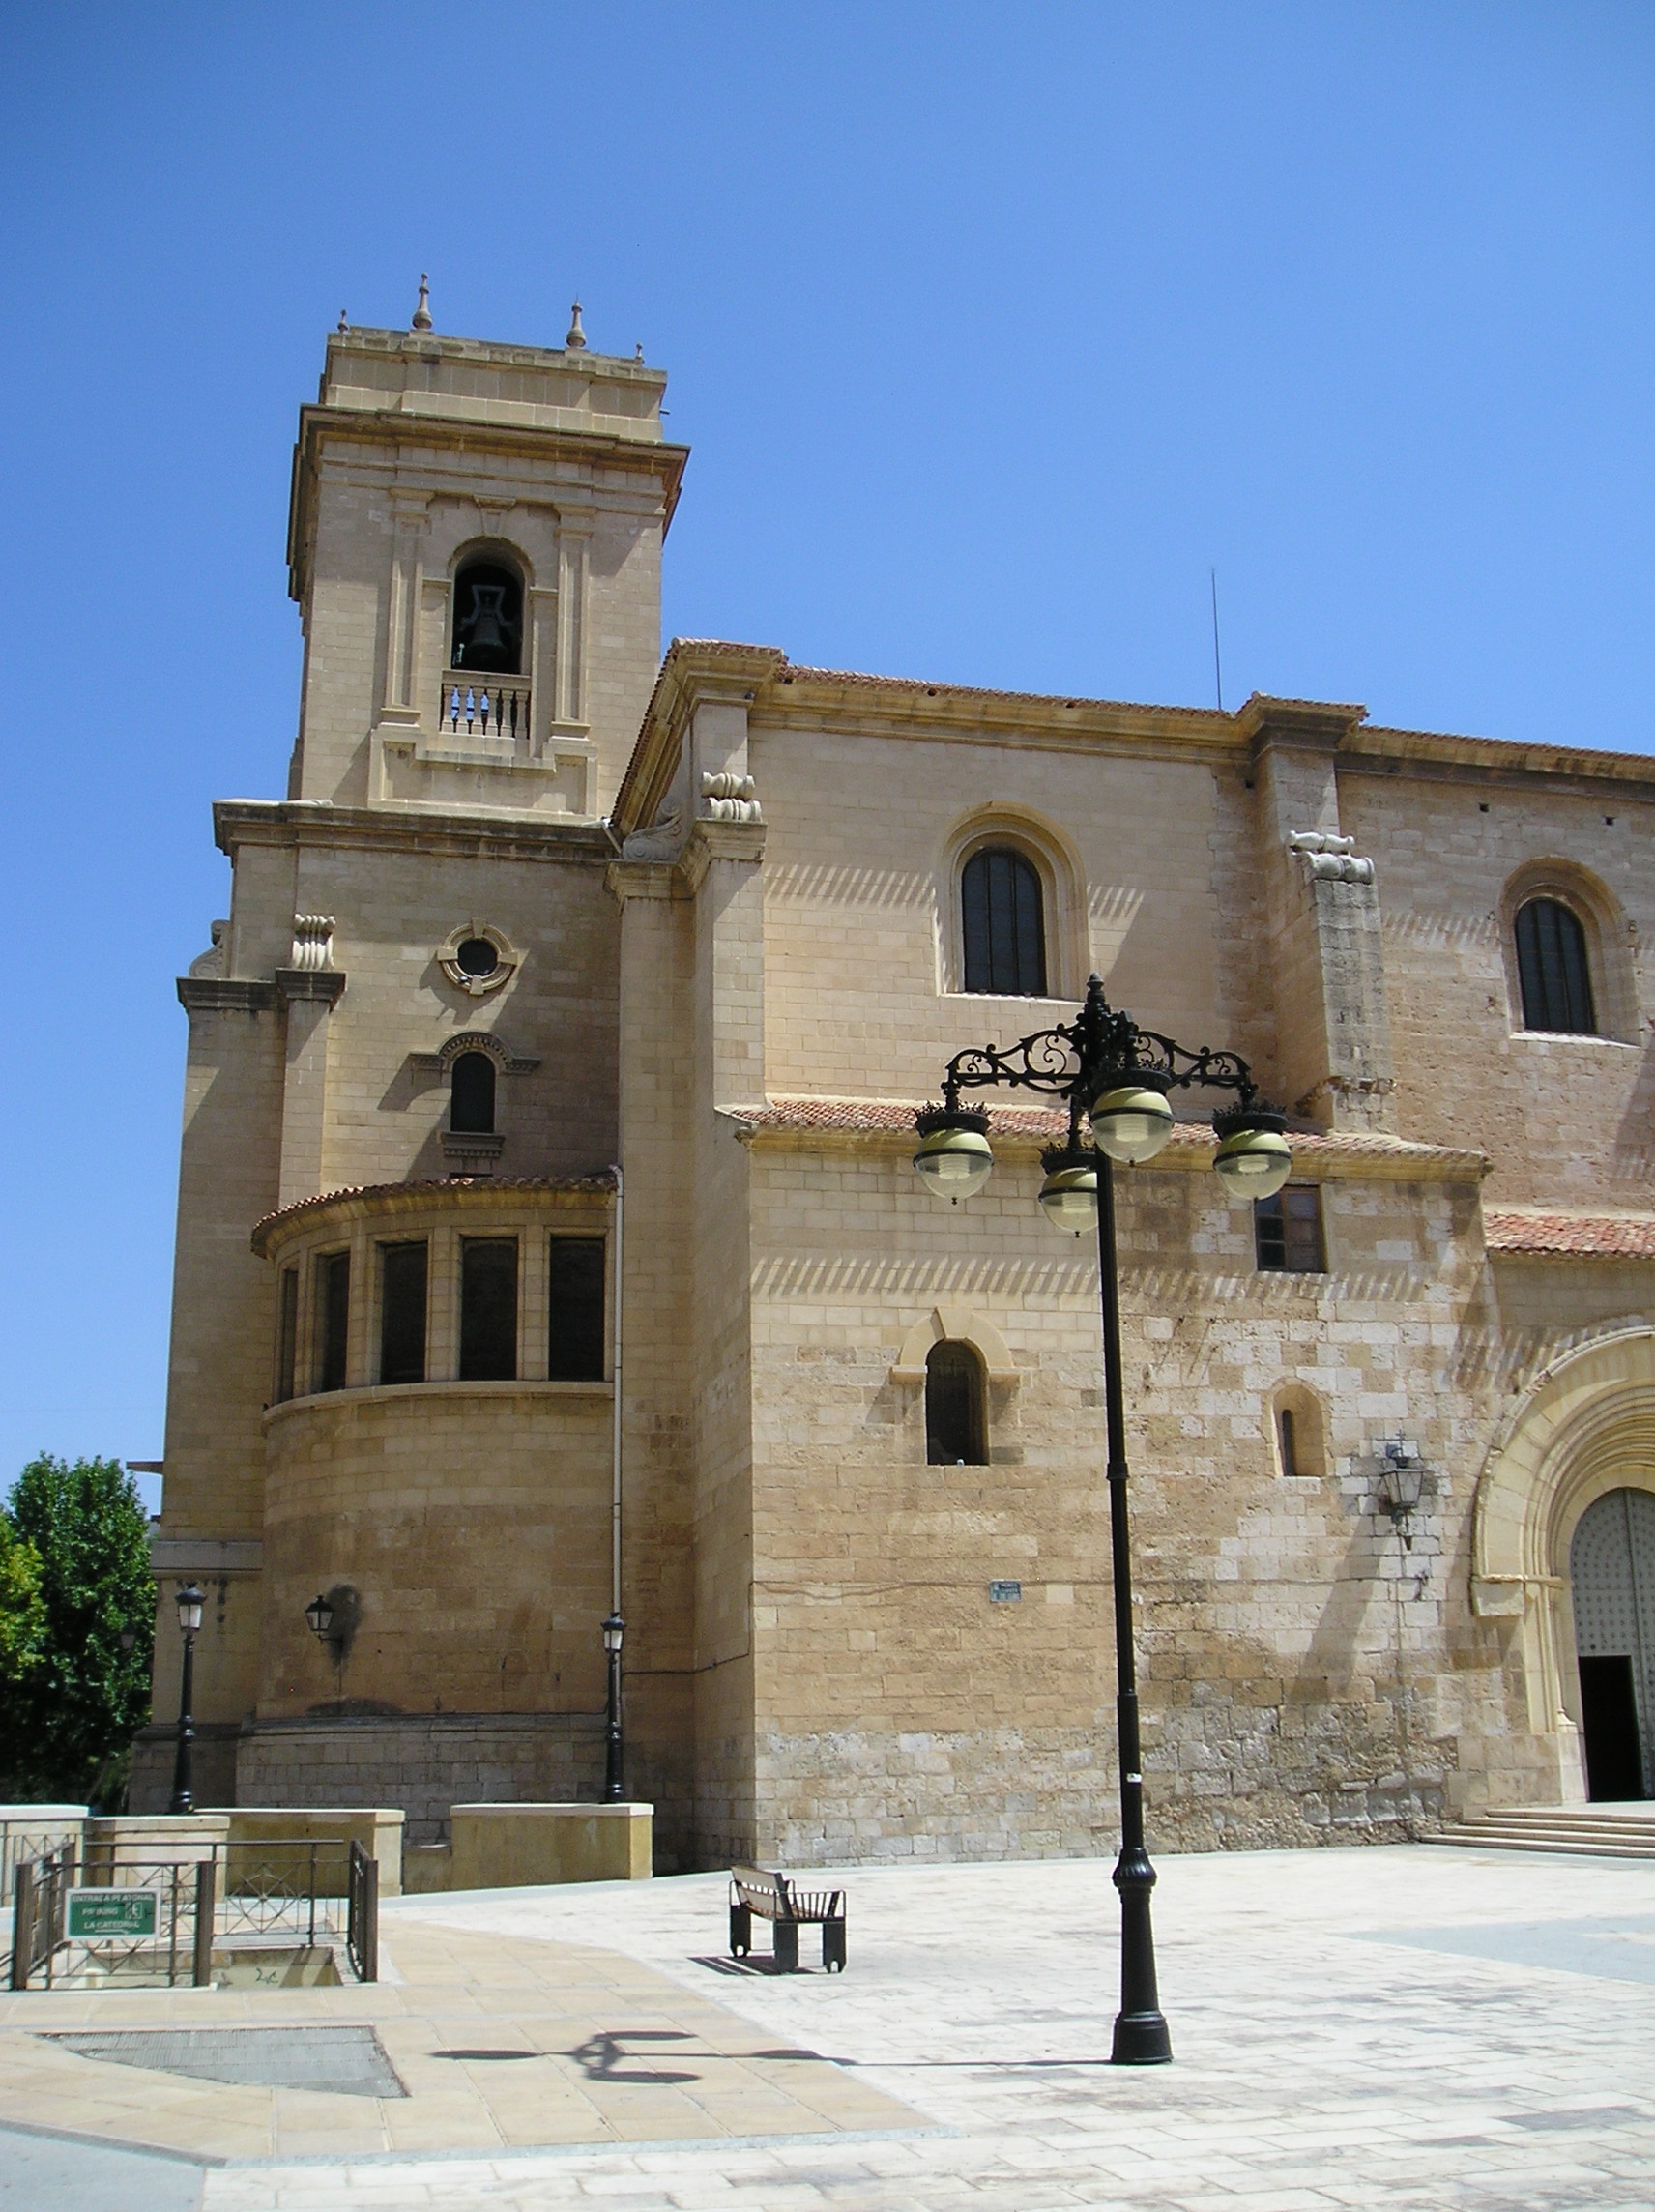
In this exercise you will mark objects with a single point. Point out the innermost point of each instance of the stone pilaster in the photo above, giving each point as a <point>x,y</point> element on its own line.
<point>1333,1059</point>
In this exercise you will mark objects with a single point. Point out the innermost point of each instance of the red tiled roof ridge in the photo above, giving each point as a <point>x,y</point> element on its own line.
<point>822,1111</point>
<point>1569,1231</point>
<point>602,1180</point>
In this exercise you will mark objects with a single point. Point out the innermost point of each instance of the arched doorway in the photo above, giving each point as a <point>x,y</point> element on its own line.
<point>1612,1574</point>
<point>1582,1431</point>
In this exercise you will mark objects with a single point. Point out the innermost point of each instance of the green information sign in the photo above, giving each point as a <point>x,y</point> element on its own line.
<point>96,1914</point>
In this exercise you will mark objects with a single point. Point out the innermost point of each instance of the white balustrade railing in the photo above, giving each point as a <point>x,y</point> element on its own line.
<point>477,704</point>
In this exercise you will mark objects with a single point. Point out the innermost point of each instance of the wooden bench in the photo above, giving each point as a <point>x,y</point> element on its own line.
<point>788,1909</point>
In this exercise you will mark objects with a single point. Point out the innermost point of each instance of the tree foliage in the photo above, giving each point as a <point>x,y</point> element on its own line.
<point>22,1609</point>
<point>76,1700</point>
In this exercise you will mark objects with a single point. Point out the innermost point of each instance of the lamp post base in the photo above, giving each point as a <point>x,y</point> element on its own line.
<point>1141,2039</point>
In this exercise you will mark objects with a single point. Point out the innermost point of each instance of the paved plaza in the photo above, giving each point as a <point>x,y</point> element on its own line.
<point>1415,2027</point>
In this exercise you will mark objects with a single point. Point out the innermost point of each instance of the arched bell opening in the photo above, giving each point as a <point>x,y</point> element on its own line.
<point>487,617</point>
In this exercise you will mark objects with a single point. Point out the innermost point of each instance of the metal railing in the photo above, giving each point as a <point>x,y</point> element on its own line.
<point>40,1888</point>
<point>361,1933</point>
<point>149,1921</point>
<point>483,704</point>
<point>24,1838</point>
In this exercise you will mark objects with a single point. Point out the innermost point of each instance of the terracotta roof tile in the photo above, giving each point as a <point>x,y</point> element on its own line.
<point>604,1180</point>
<point>873,1114</point>
<point>1570,1236</point>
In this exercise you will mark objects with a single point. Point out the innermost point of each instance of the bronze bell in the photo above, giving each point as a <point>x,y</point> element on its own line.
<point>485,632</point>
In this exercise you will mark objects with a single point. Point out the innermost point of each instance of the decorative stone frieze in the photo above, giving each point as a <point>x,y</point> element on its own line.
<point>729,799</point>
<point>1329,859</point>
<point>312,941</point>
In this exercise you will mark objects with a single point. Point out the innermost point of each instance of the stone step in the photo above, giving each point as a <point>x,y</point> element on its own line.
<point>1593,1831</point>
<point>1560,1846</point>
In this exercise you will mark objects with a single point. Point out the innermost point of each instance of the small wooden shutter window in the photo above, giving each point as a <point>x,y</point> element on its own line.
<point>333,1282</point>
<point>402,1312</point>
<point>286,1333</point>
<point>955,1417</point>
<point>1553,970</point>
<point>1003,926</point>
<point>574,1302</point>
<point>471,1096</point>
<point>488,1309</point>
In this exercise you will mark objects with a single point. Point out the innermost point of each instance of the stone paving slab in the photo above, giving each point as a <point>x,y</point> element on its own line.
<point>1401,2029</point>
<point>499,2041</point>
<point>1404,2027</point>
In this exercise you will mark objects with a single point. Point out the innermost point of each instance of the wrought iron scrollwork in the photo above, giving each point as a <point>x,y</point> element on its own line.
<point>1076,1060</point>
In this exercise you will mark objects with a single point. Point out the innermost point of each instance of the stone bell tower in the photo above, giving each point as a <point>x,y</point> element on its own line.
<point>476,547</point>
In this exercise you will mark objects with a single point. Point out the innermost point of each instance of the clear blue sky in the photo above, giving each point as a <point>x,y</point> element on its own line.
<point>992,328</point>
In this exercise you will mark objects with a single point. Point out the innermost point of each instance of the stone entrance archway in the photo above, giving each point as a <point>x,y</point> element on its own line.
<point>1611,1578</point>
<point>1585,1428</point>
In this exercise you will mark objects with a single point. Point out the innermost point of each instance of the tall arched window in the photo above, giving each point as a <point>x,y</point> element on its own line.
<point>488,619</point>
<point>1552,969</point>
<point>956,1416</point>
<point>471,1096</point>
<point>1003,926</point>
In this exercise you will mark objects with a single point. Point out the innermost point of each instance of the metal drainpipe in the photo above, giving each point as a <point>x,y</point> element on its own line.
<point>615,1495</point>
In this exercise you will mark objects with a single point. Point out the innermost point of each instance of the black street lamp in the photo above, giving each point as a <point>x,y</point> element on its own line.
<point>1115,1075</point>
<point>191,1600</point>
<point>614,1629</point>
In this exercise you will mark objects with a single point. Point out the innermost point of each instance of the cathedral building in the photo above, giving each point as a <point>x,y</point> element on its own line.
<point>549,1246</point>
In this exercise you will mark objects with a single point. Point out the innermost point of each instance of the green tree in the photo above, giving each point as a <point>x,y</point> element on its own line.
<point>22,1609</point>
<point>67,1720</point>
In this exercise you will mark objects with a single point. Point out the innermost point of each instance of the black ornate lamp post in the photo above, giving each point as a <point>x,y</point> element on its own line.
<point>191,1600</point>
<point>1116,1076</point>
<point>614,1629</point>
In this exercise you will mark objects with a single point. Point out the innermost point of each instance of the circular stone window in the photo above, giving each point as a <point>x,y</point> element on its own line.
<point>476,956</point>
<point>479,959</point>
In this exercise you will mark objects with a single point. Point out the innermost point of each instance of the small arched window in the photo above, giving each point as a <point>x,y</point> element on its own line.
<point>956,1415</point>
<point>488,619</point>
<point>471,1100</point>
<point>1552,969</point>
<point>1005,928</point>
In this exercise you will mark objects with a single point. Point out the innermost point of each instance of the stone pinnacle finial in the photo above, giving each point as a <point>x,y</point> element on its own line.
<point>343,325</point>
<point>575,343</point>
<point>422,312</point>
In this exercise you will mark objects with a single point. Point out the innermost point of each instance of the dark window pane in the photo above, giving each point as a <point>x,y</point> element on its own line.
<point>1302,1212</point>
<point>574,1298</point>
<point>1286,1233</point>
<point>1289,1454</point>
<point>1269,1232</point>
<point>488,1309</point>
<point>402,1312</point>
<point>471,1096</point>
<point>955,1424</point>
<point>333,1286</point>
<point>286,1332</point>
<point>1551,970</point>
<point>1004,933</point>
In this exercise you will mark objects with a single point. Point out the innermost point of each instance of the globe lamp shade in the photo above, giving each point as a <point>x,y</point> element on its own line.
<point>1131,1122</point>
<point>1069,1196</point>
<point>190,1599</point>
<point>953,1160</point>
<point>1253,1163</point>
